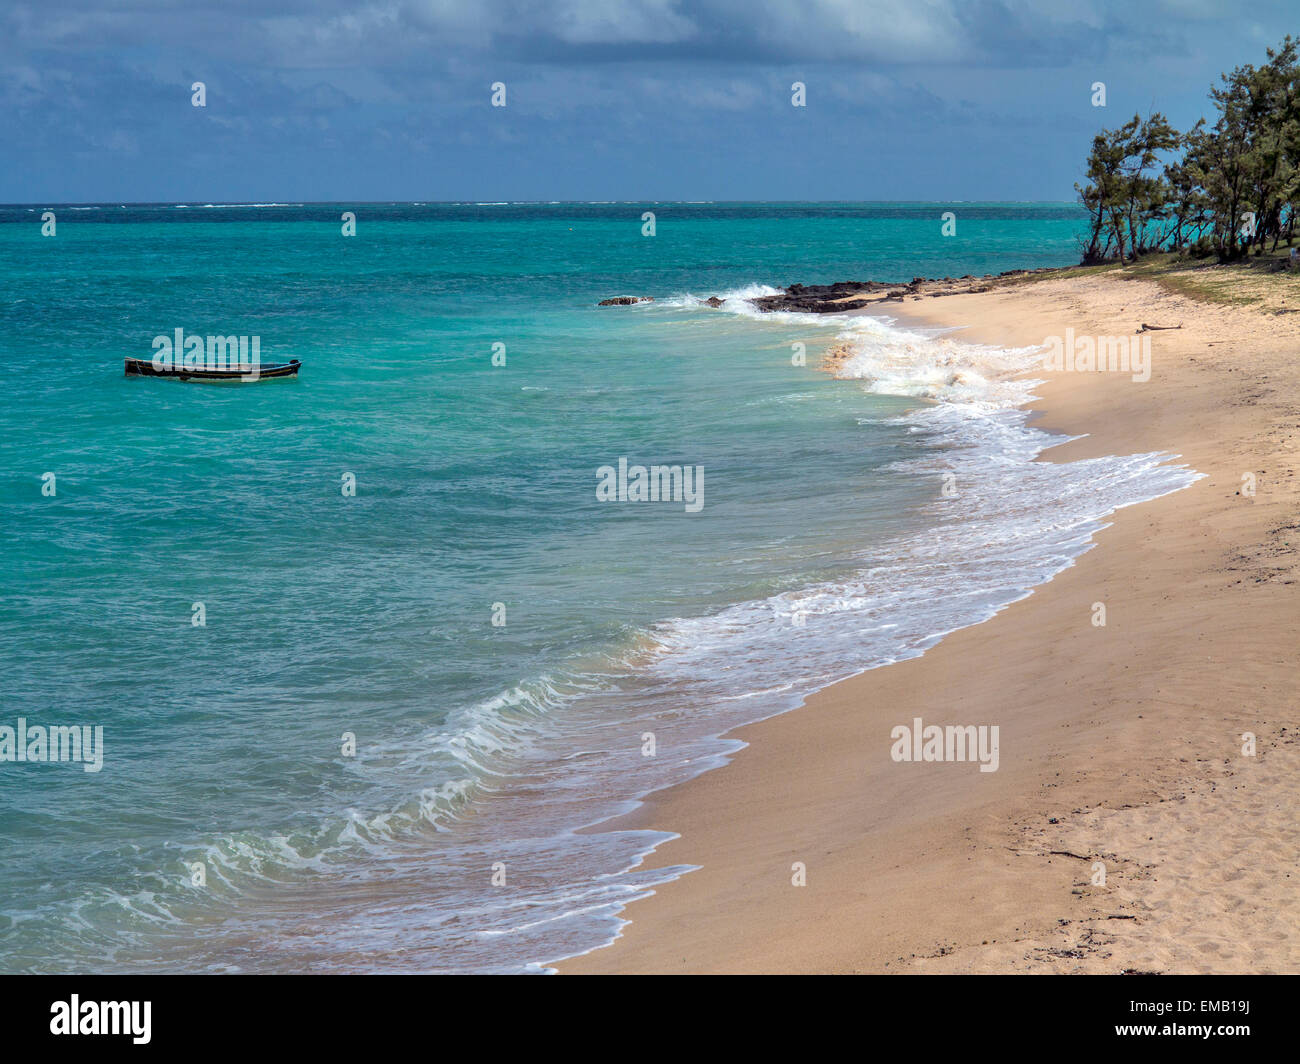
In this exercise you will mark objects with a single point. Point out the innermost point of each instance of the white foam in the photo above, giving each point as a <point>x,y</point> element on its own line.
<point>915,363</point>
<point>1014,524</point>
<point>737,301</point>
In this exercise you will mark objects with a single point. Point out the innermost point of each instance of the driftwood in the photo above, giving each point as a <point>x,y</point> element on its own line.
<point>1152,328</point>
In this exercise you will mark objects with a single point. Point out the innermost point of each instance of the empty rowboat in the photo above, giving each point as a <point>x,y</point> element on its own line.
<point>143,367</point>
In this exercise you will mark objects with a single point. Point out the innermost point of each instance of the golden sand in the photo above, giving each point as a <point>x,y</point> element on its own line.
<point>1120,745</point>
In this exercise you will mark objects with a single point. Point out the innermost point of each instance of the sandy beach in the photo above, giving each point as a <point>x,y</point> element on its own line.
<point>1121,745</point>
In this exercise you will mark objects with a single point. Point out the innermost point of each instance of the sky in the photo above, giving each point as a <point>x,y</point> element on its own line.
<point>322,100</point>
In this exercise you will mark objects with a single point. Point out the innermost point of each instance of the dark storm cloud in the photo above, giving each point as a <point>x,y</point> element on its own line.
<point>608,98</point>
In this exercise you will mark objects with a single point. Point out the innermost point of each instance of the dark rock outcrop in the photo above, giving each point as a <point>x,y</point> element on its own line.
<point>850,295</point>
<point>819,298</point>
<point>625,301</point>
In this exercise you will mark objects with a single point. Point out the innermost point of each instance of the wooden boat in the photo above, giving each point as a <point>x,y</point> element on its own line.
<point>143,367</point>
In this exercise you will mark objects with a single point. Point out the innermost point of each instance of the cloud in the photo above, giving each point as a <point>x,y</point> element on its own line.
<point>313,95</point>
<point>584,22</point>
<point>289,34</point>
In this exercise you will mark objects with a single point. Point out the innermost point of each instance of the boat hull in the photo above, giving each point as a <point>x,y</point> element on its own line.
<point>143,367</point>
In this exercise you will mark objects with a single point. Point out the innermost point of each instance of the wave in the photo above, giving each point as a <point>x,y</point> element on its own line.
<point>510,779</point>
<point>228,206</point>
<point>736,300</point>
<point>918,364</point>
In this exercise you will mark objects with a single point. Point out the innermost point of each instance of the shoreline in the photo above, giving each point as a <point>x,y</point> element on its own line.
<point>1120,744</point>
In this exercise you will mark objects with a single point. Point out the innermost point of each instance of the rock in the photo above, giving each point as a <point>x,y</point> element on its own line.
<point>712,301</point>
<point>625,301</point>
<point>818,298</point>
<point>853,295</point>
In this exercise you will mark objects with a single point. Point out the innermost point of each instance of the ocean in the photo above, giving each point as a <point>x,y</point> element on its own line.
<point>367,649</point>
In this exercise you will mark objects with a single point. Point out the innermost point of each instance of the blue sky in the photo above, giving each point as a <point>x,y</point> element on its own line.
<point>606,99</point>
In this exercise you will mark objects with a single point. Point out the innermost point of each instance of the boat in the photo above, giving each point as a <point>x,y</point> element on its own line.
<point>143,367</point>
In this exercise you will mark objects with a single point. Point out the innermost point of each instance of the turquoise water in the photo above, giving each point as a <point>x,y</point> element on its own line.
<point>229,828</point>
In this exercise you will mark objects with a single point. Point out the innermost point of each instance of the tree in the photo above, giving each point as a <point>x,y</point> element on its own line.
<point>1238,181</point>
<point>1123,199</point>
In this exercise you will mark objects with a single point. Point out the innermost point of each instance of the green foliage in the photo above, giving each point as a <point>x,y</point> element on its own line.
<point>1235,186</point>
